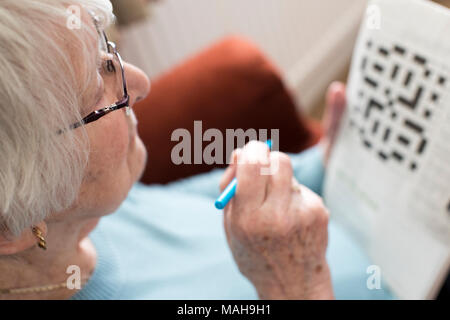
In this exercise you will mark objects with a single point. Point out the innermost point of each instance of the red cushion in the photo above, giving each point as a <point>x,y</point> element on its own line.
<point>228,86</point>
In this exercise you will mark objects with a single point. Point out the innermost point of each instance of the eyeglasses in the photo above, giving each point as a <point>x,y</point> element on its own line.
<point>113,74</point>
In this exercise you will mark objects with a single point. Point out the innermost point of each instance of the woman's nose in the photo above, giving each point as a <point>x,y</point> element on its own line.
<point>137,82</point>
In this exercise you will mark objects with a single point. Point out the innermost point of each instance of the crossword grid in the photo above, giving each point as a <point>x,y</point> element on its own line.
<point>393,119</point>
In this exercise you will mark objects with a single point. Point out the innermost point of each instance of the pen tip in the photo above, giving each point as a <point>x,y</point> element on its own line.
<point>219,205</point>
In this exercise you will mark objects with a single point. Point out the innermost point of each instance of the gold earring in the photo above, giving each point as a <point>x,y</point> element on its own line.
<point>38,233</point>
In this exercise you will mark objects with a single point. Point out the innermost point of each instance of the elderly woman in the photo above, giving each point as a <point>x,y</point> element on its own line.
<point>70,156</point>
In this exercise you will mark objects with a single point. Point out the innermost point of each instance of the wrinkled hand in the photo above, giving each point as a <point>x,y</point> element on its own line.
<point>277,233</point>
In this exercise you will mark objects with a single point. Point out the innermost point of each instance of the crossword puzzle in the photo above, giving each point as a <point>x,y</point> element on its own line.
<point>398,96</point>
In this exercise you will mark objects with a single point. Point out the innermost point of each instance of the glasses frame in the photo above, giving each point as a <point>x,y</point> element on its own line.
<point>122,103</point>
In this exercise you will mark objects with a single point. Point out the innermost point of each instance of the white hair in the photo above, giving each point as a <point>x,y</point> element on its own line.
<point>41,92</point>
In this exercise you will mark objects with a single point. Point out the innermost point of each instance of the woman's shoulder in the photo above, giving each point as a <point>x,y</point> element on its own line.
<point>165,244</point>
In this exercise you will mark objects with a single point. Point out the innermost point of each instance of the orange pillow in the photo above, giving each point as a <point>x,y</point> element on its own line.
<point>228,86</point>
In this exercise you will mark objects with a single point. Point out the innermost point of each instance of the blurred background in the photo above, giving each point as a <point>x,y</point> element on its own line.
<point>273,74</point>
<point>309,41</point>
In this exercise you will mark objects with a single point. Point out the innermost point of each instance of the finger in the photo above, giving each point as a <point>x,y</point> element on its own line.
<point>252,185</point>
<point>279,191</point>
<point>335,107</point>
<point>335,102</point>
<point>230,172</point>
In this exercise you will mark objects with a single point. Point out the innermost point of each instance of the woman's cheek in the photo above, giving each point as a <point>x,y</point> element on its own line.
<point>117,142</point>
<point>108,149</point>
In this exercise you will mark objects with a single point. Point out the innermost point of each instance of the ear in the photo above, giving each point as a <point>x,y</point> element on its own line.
<point>26,240</point>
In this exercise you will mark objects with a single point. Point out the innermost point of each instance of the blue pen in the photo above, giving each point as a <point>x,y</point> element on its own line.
<point>230,190</point>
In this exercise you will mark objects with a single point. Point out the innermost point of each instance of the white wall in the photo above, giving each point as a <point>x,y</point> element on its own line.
<point>310,40</point>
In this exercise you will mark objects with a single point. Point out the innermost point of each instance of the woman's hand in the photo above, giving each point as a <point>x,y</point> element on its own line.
<point>276,229</point>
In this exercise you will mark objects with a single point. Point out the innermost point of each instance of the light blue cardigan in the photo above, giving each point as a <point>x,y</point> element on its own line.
<point>168,242</point>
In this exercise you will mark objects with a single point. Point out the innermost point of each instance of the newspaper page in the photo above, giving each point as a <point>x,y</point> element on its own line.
<point>388,179</point>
